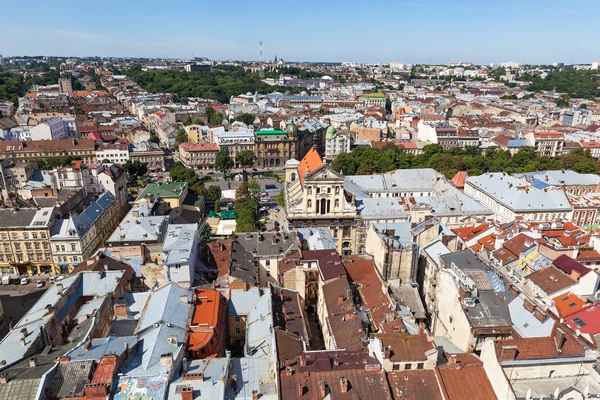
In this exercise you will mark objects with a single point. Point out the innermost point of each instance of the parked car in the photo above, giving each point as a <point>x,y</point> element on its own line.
<point>24,281</point>
<point>39,284</point>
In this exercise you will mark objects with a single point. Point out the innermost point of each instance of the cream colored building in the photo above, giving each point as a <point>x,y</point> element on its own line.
<point>315,197</point>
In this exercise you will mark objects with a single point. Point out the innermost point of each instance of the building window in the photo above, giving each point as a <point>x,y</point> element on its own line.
<point>237,331</point>
<point>420,365</point>
<point>268,262</point>
<point>396,367</point>
<point>237,320</point>
<point>407,366</point>
<point>309,203</point>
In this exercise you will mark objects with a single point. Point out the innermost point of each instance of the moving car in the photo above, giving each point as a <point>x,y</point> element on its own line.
<point>39,284</point>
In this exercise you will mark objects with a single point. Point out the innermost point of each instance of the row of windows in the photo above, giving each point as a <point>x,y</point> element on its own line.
<point>26,236</point>
<point>20,258</point>
<point>396,366</point>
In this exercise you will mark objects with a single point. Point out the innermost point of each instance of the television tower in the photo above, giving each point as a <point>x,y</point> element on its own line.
<point>260,59</point>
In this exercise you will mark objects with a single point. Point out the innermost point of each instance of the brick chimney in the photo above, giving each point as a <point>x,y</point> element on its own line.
<point>255,395</point>
<point>3,378</point>
<point>540,316</point>
<point>322,388</point>
<point>508,353</point>
<point>452,360</point>
<point>289,371</point>
<point>343,384</point>
<point>120,310</point>
<point>300,390</point>
<point>340,299</point>
<point>95,390</point>
<point>302,361</point>
<point>33,362</point>
<point>387,353</point>
<point>187,393</point>
<point>198,376</point>
<point>529,306</point>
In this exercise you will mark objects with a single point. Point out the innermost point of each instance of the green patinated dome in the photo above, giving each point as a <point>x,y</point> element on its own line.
<point>330,133</point>
<point>292,130</point>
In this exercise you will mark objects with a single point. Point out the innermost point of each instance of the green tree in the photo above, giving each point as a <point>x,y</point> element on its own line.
<point>223,161</point>
<point>204,231</point>
<point>135,171</point>
<point>246,118</point>
<point>106,161</point>
<point>246,159</point>
<point>214,193</point>
<point>181,137</point>
<point>281,199</point>
<point>216,119</point>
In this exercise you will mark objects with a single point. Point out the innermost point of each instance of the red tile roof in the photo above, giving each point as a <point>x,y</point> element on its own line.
<point>219,256</point>
<point>466,381</point>
<point>548,135</point>
<point>362,374</point>
<point>329,262</point>
<point>199,147</point>
<point>344,324</point>
<point>415,385</point>
<point>469,232</point>
<point>551,279</point>
<point>542,347</point>
<point>586,320</point>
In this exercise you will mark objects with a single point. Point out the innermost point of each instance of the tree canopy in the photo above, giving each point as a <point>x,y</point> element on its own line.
<point>247,200</point>
<point>367,160</point>
<point>246,118</point>
<point>223,161</point>
<point>219,84</point>
<point>575,83</point>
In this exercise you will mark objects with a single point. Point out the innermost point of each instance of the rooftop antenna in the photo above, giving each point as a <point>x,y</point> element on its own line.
<point>260,59</point>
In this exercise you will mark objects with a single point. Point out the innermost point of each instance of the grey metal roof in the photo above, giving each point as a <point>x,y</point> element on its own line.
<point>216,375</point>
<point>525,323</point>
<point>259,328</point>
<point>241,302</point>
<point>102,347</point>
<point>254,373</point>
<point>169,303</point>
<point>179,243</point>
<point>401,233</point>
<point>143,228</point>
<point>316,238</point>
<point>517,195</point>
<point>401,180</point>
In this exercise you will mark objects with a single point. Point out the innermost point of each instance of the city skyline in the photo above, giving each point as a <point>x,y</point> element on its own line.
<point>413,32</point>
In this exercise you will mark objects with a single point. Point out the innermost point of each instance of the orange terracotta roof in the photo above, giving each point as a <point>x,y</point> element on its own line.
<point>459,179</point>
<point>207,336</point>
<point>568,304</point>
<point>468,381</point>
<point>469,232</point>
<point>311,161</point>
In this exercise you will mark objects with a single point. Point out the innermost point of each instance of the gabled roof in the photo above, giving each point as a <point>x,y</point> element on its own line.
<point>311,161</point>
<point>459,179</point>
<point>568,265</point>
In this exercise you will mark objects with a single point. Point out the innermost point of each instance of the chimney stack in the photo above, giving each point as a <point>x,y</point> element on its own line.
<point>322,390</point>
<point>255,395</point>
<point>302,361</point>
<point>343,384</point>
<point>300,390</point>
<point>234,380</point>
<point>289,371</point>
<point>187,393</point>
<point>508,353</point>
<point>33,362</point>
<point>452,360</point>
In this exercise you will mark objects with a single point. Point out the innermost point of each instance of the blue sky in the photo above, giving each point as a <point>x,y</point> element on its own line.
<point>440,31</point>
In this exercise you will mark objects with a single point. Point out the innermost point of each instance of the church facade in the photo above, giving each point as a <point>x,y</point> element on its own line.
<point>315,197</point>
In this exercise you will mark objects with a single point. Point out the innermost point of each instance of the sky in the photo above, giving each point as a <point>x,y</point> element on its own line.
<point>373,31</point>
